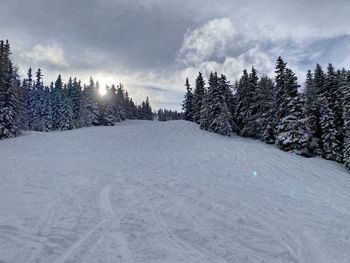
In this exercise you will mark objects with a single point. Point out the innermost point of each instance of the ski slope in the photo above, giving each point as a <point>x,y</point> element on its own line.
<point>167,192</point>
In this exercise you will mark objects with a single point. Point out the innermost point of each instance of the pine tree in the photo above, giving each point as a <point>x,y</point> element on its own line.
<point>292,134</point>
<point>107,115</point>
<point>251,107</point>
<point>221,124</point>
<point>57,104</point>
<point>218,117</point>
<point>309,92</point>
<point>85,114</point>
<point>222,118</point>
<point>319,83</point>
<point>139,112</point>
<point>75,97</point>
<point>38,103</point>
<point>267,110</point>
<point>31,103</point>
<point>341,77</point>
<point>68,88</point>
<point>8,93</point>
<point>329,114</point>
<point>47,111</point>
<point>133,109</point>
<point>204,120</point>
<point>120,103</point>
<point>329,90</point>
<point>89,107</point>
<point>311,112</point>
<point>187,105</point>
<point>242,101</point>
<point>110,116</point>
<point>281,91</point>
<point>148,110</point>
<point>330,144</point>
<point>66,115</point>
<point>205,109</point>
<point>130,112</point>
<point>198,96</point>
<point>24,102</point>
<point>207,112</point>
<point>115,102</point>
<point>230,101</point>
<point>346,118</point>
<point>161,115</point>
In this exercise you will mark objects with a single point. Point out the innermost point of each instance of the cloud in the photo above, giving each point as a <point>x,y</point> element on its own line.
<point>158,43</point>
<point>232,67</point>
<point>218,46</point>
<point>49,55</point>
<point>154,88</point>
<point>207,42</point>
<point>299,20</point>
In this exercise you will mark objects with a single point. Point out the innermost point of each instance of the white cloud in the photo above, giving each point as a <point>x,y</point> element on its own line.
<point>299,20</point>
<point>210,40</point>
<point>218,46</point>
<point>51,55</point>
<point>232,67</point>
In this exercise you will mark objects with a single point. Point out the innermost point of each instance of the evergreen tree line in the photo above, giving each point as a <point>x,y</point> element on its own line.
<point>169,115</point>
<point>30,105</point>
<point>311,122</point>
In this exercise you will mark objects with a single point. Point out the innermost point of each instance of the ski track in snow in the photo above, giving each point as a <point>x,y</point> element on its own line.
<point>106,208</point>
<point>167,192</point>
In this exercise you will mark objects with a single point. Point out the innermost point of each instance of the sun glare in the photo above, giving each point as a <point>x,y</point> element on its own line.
<point>103,81</point>
<point>102,90</point>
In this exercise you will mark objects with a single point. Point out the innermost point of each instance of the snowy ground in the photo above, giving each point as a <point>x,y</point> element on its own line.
<point>167,192</point>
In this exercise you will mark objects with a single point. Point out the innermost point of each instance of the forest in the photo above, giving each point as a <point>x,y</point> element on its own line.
<point>313,120</point>
<point>30,105</point>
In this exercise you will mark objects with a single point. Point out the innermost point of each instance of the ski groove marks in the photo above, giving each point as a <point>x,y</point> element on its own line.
<point>185,247</point>
<point>107,210</point>
<point>105,201</point>
<point>76,245</point>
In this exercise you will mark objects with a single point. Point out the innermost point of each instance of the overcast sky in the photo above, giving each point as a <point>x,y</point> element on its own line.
<point>153,45</point>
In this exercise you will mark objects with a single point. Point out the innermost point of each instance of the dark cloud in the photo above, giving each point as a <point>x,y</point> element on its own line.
<point>132,34</point>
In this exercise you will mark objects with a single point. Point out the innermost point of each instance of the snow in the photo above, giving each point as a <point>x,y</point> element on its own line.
<point>167,192</point>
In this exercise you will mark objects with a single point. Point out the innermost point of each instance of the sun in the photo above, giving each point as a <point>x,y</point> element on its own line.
<point>102,90</point>
<point>103,81</point>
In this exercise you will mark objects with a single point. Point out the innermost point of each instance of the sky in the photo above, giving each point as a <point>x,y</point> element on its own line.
<point>151,46</point>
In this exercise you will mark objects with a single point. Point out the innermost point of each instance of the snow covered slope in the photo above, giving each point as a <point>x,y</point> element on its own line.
<point>167,192</point>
